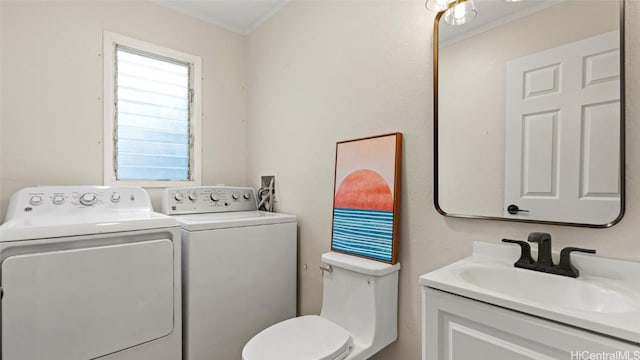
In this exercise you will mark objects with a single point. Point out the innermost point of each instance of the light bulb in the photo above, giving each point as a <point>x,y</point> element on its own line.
<point>461,13</point>
<point>437,5</point>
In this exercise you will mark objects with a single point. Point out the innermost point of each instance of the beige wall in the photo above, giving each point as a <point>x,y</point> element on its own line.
<point>51,113</point>
<point>325,71</point>
<point>472,182</point>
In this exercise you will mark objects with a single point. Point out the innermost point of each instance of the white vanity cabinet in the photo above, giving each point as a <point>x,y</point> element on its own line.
<point>459,328</point>
<point>484,308</point>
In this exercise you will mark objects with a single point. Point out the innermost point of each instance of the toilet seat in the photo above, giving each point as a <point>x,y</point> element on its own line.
<point>308,337</point>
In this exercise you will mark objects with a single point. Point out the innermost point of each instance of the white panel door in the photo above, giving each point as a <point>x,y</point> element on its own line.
<point>562,128</point>
<point>84,303</point>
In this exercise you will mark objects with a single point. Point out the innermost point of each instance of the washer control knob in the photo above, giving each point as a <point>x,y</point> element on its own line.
<point>246,196</point>
<point>88,199</point>
<point>178,197</point>
<point>235,196</point>
<point>115,198</point>
<point>35,200</point>
<point>193,197</point>
<point>214,197</point>
<point>58,199</point>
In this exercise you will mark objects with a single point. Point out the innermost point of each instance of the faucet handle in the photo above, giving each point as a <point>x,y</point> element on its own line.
<point>545,260</point>
<point>539,237</point>
<point>565,267</point>
<point>525,260</point>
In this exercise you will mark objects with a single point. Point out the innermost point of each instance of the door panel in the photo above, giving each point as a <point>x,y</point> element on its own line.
<point>540,160</point>
<point>469,342</point>
<point>85,303</point>
<point>600,163</point>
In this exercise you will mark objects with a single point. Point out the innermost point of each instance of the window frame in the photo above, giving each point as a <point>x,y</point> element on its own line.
<point>110,41</point>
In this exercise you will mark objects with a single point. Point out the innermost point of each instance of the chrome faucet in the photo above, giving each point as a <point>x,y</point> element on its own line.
<point>545,259</point>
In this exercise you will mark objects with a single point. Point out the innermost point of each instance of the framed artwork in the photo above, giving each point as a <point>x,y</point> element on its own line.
<point>366,197</point>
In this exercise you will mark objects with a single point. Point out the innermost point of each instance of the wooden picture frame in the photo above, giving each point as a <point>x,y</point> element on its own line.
<point>366,197</point>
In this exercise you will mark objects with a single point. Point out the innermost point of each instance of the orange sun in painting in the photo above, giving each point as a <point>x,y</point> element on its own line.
<point>364,189</point>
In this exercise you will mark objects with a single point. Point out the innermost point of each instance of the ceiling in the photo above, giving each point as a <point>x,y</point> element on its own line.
<point>241,16</point>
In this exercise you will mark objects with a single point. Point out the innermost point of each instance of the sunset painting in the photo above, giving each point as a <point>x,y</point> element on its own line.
<point>365,203</point>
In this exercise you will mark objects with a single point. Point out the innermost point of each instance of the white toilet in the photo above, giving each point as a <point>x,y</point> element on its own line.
<point>358,318</point>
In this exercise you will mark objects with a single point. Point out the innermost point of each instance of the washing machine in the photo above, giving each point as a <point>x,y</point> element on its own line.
<point>89,272</point>
<point>238,268</point>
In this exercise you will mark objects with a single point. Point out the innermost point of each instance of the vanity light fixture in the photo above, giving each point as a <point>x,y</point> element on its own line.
<point>457,12</point>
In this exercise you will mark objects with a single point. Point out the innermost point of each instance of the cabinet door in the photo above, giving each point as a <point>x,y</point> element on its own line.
<point>457,328</point>
<point>85,303</point>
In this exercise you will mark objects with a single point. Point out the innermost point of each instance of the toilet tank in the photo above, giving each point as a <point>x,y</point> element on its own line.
<point>361,295</point>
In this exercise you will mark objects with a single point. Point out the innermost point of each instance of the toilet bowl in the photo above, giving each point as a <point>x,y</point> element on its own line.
<point>358,317</point>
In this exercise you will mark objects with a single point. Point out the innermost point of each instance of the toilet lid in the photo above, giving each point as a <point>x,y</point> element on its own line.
<point>303,338</point>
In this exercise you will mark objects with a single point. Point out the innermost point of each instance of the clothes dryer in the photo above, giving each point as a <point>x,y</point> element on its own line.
<point>89,272</point>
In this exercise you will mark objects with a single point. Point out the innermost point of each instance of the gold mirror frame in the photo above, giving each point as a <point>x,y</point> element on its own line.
<point>436,24</point>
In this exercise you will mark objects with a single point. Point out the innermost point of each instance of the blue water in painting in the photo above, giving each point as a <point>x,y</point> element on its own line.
<point>363,232</point>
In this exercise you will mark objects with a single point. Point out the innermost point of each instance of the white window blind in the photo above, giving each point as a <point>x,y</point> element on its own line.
<point>152,133</point>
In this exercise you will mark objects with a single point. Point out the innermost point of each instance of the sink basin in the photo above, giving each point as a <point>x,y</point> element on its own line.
<point>580,294</point>
<point>605,298</point>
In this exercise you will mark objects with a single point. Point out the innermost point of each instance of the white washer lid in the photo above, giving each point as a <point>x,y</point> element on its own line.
<point>222,220</point>
<point>303,338</point>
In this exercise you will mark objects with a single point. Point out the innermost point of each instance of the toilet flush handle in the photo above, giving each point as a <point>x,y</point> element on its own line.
<point>326,268</point>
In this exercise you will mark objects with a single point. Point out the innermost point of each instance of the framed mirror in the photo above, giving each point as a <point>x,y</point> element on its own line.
<point>529,112</point>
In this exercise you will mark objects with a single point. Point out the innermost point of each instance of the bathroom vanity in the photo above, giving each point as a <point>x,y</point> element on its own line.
<point>482,307</point>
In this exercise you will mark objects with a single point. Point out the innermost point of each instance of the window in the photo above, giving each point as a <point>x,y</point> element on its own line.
<point>151,114</point>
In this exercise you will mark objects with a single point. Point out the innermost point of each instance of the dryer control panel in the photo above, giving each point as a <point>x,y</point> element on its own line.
<point>76,200</point>
<point>207,199</point>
